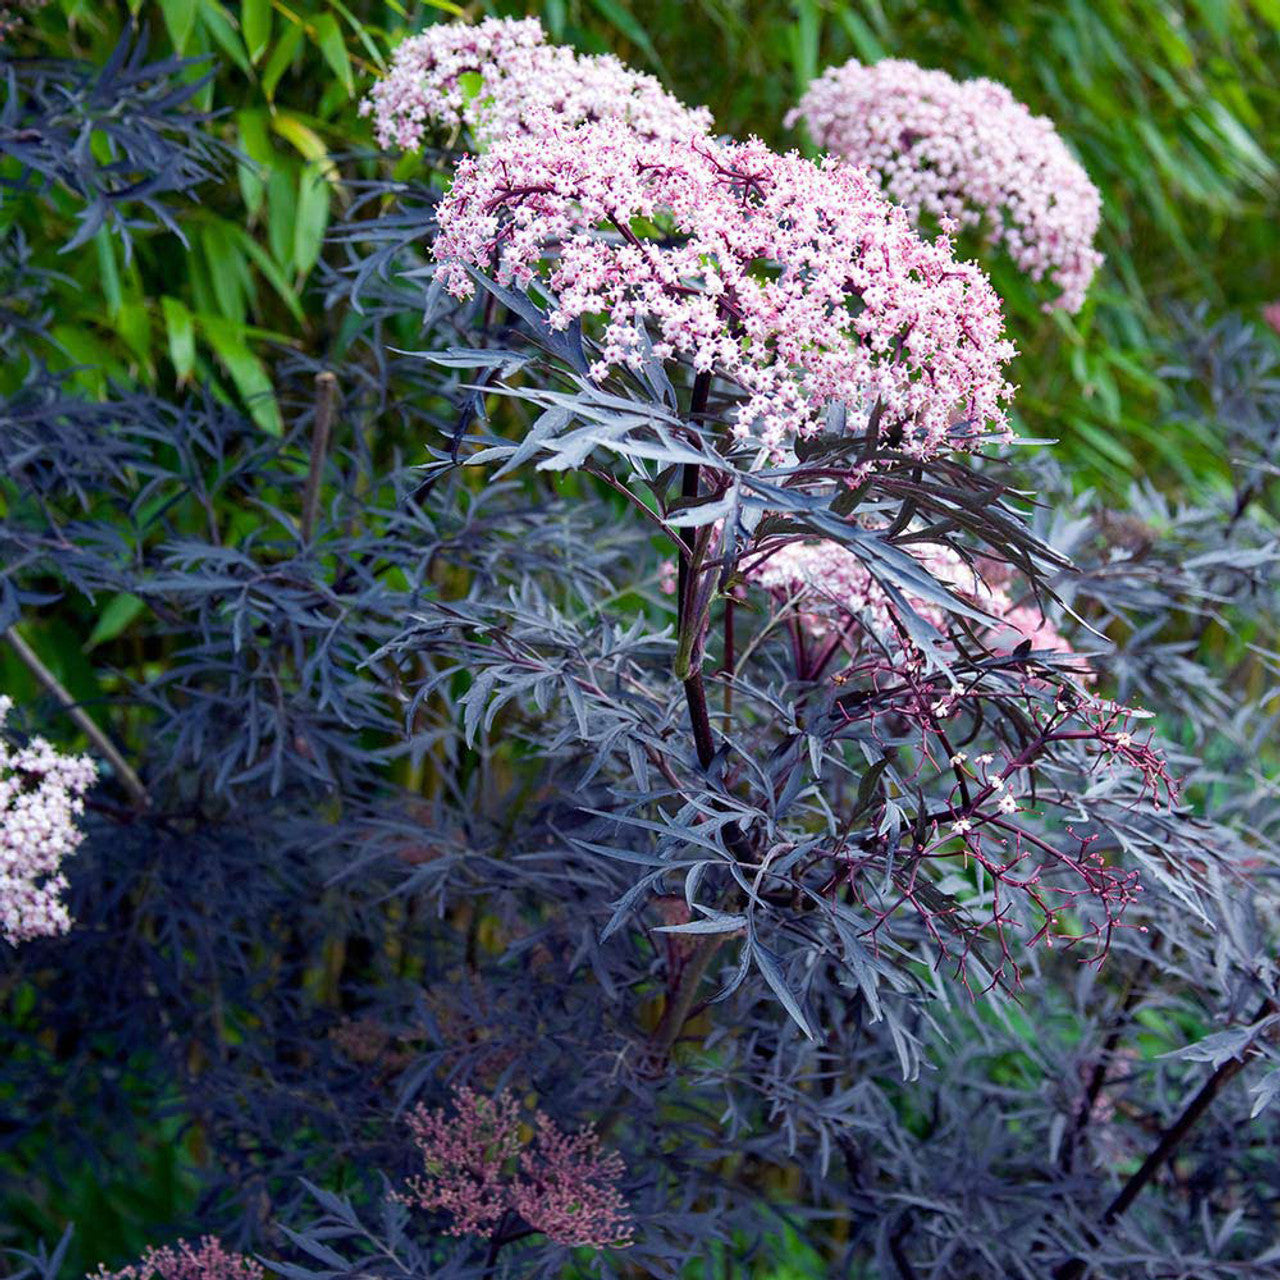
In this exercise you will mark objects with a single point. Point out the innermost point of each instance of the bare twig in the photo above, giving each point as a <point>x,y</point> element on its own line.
<point>1170,1141</point>
<point>105,747</point>
<point>321,429</point>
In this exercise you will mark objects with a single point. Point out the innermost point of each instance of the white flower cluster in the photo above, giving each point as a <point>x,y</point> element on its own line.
<point>41,795</point>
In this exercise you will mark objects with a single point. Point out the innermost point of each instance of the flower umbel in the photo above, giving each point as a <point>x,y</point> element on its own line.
<point>968,152</point>
<point>184,1261</point>
<point>797,282</point>
<point>478,1169</point>
<point>41,794</point>
<point>495,78</point>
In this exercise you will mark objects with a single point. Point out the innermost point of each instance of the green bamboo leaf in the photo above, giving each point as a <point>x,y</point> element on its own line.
<point>255,142</point>
<point>312,218</point>
<point>357,27</point>
<point>630,26</point>
<point>108,272</point>
<point>255,23</point>
<point>179,21</point>
<point>281,57</point>
<point>247,371</point>
<point>221,26</point>
<point>334,48</point>
<point>275,277</point>
<point>118,614</point>
<point>180,325</point>
<point>228,272</point>
<point>282,210</point>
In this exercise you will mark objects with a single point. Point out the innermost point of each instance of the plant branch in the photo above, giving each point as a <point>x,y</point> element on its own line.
<point>1170,1141</point>
<point>105,747</point>
<point>321,429</point>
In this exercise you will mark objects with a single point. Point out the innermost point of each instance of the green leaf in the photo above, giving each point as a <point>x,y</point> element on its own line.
<point>312,218</point>
<point>334,48</point>
<point>220,26</point>
<point>117,615</point>
<point>246,370</point>
<point>180,21</point>
<point>357,27</point>
<point>254,140</point>
<point>630,26</point>
<point>375,54</point>
<point>228,272</point>
<point>180,325</point>
<point>281,57</point>
<point>301,136</point>
<point>255,23</point>
<point>282,209</point>
<point>275,277</point>
<point>108,272</point>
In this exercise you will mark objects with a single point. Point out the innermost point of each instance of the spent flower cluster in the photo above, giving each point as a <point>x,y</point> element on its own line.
<point>965,152</point>
<point>797,282</point>
<point>41,794</point>
<point>478,1169</point>
<point>497,78</point>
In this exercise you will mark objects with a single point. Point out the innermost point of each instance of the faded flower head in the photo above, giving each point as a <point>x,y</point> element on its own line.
<point>478,1168</point>
<point>184,1261</point>
<point>496,78</point>
<point>965,152</point>
<point>41,795</point>
<point>796,282</point>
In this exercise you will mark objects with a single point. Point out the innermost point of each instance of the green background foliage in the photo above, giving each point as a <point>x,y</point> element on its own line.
<point>1174,109</point>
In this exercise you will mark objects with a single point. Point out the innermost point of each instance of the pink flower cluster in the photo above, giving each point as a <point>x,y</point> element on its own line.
<point>797,282</point>
<point>965,152</point>
<point>478,1169</point>
<point>41,794</point>
<point>832,589</point>
<point>184,1261</point>
<point>499,77</point>
<point>14,12</point>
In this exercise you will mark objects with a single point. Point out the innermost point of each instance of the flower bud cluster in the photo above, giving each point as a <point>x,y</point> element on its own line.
<point>41,795</point>
<point>497,78</point>
<point>797,283</point>
<point>184,1261</point>
<point>479,1168</point>
<point>968,153</point>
